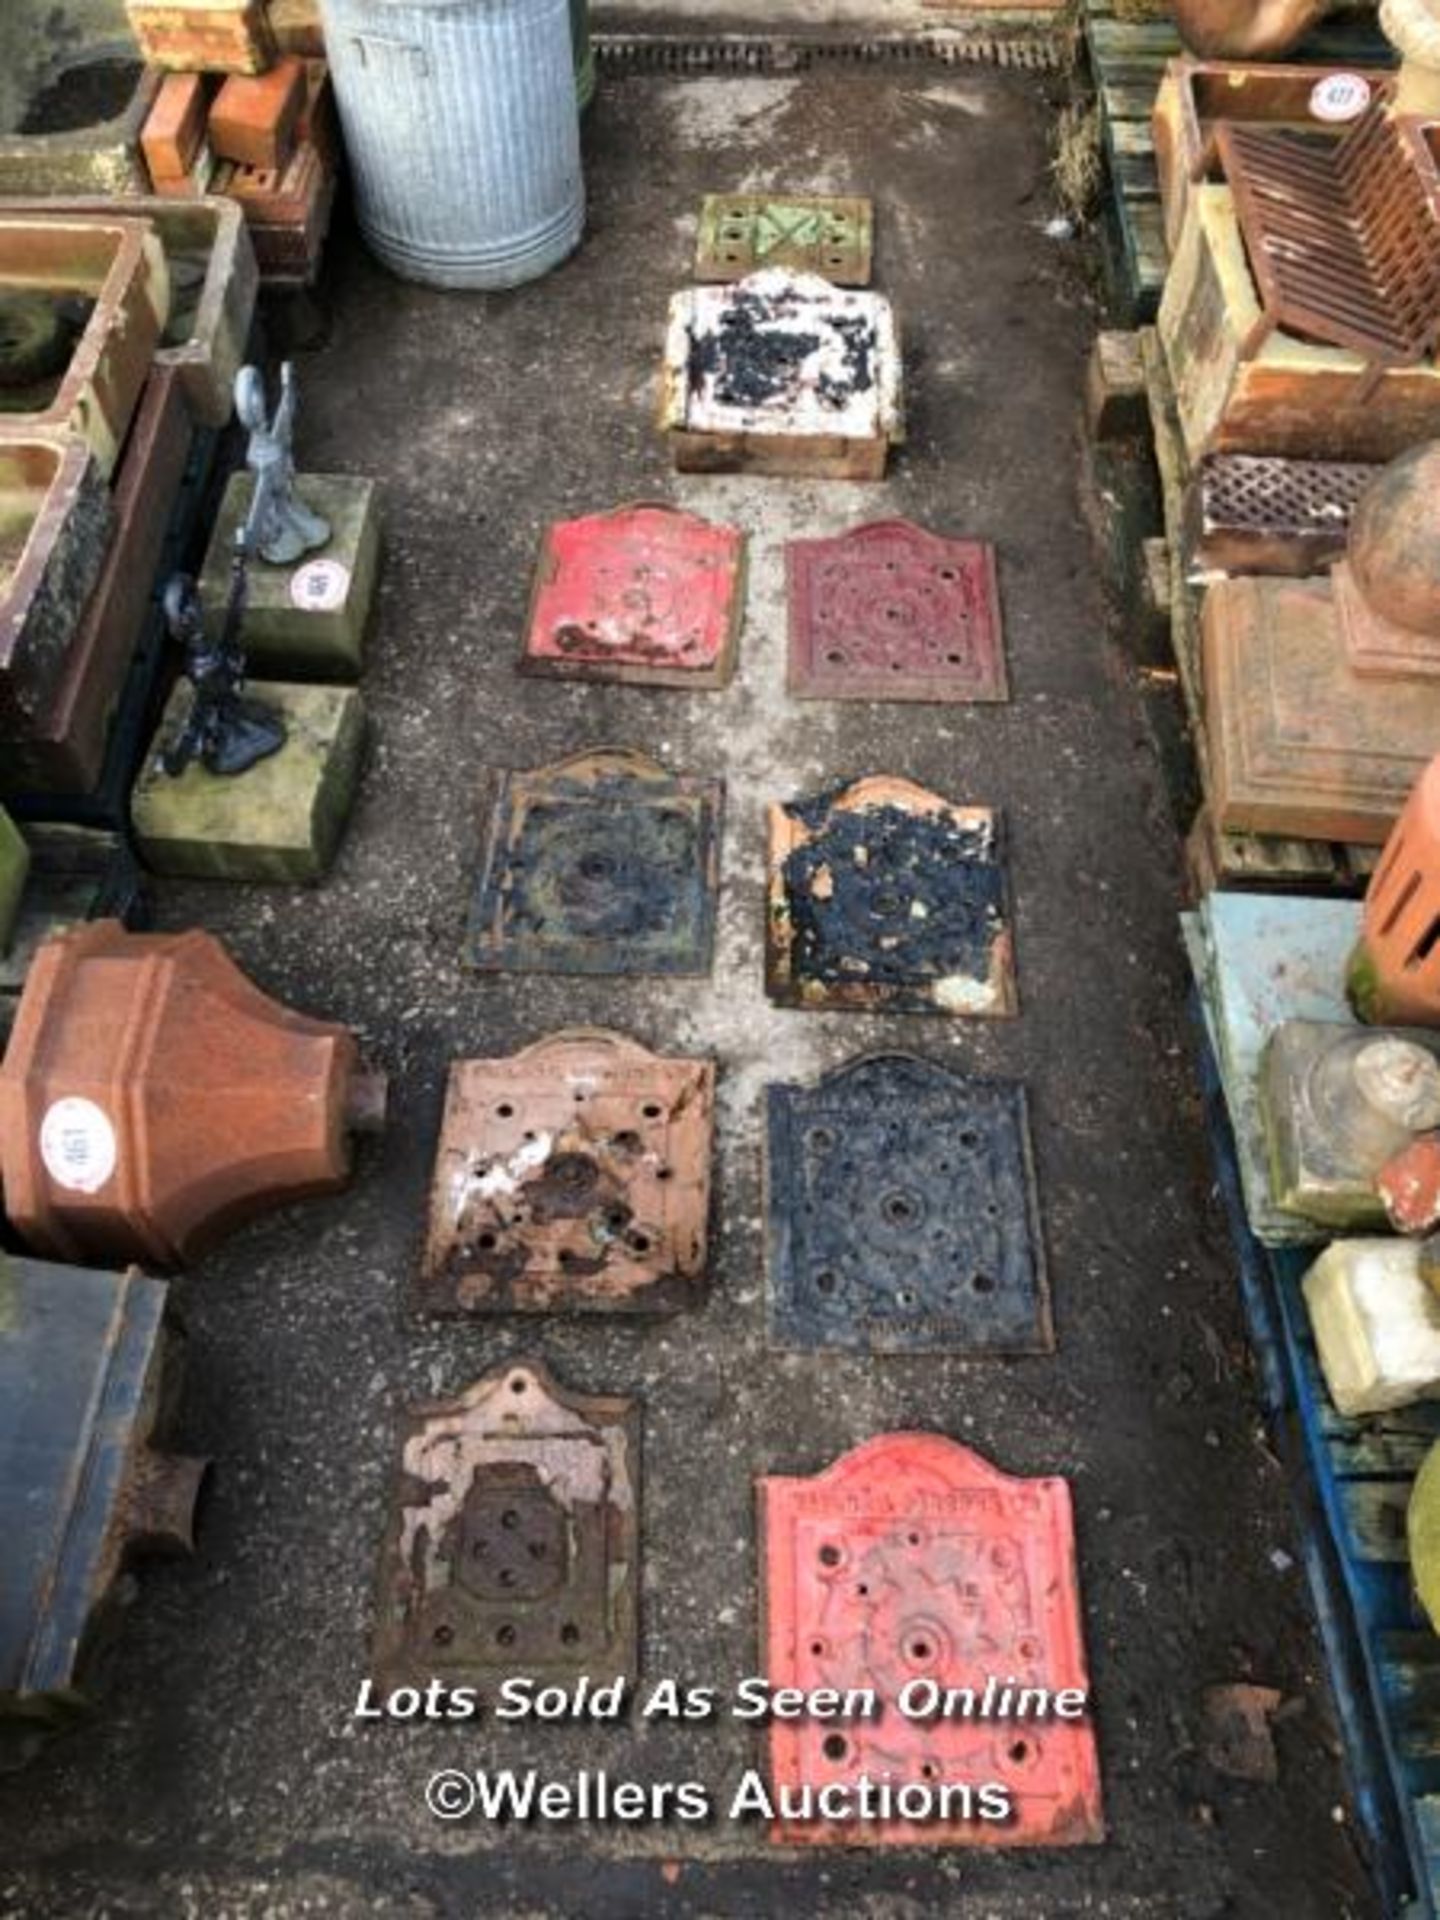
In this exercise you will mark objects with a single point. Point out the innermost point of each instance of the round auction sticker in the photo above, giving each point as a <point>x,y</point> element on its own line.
<point>320,586</point>
<point>77,1144</point>
<point>1340,96</point>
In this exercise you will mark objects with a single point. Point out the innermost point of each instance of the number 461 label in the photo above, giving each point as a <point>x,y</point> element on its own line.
<point>1340,96</point>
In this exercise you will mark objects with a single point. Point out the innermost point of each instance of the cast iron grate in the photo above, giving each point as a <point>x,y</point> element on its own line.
<point>640,53</point>
<point>513,1542</point>
<point>1343,236</point>
<point>902,1213</point>
<point>603,863</point>
<point>885,895</point>
<point>740,233</point>
<point>1261,513</point>
<point>891,612</point>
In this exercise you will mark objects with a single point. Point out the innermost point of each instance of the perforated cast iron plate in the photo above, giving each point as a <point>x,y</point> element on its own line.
<point>513,1544</point>
<point>647,593</point>
<point>912,1559</point>
<point>884,894</point>
<point>1261,513</point>
<point>574,1175</point>
<point>602,863</point>
<point>901,1213</point>
<point>741,232</point>
<point>891,612</point>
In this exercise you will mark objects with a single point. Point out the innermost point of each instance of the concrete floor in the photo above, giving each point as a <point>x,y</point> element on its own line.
<point>225,1775</point>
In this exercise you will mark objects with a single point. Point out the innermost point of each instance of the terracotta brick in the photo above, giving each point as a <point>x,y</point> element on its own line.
<point>173,133</point>
<point>253,121</point>
<point>203,36</point>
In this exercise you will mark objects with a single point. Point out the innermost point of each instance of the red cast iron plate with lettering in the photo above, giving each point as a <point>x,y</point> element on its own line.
<point>891,612</point>
<point>647,594</point>
<point>911,1556</point>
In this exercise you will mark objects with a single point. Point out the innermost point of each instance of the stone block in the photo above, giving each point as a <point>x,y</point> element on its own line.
<point>113,271</point>
<point>308,621</point>
<point>1377,1325</point>
<point>279,822</point>
<point>14,866</point>
<point>55,522</point>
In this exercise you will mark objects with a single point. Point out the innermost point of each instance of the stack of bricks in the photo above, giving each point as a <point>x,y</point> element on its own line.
<point>245,110</point>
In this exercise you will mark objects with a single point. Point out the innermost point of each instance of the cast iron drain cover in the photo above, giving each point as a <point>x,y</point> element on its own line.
<point>914,1560</point>
<point>574,1175</point>
<point>891,612</point>
<point>602,863</point>
<point>647,594</point>
<point>740,232</point>
<point>902,1213</point>
<point>513,1544</point>
<point>885,895</point>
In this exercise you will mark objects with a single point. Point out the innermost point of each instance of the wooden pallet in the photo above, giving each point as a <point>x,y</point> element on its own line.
<point>1213,858</point>
<point>1127,58</point>
<point>1350,1484</point>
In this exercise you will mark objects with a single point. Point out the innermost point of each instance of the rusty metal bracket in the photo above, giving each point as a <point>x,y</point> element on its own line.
<point>891,612</point>
<point>885,895</point>
<point>603,863</point>
<point>902,1214</point>
<point>573,1175</point>
<point>646,594</point>
<point>804,233</point>
<point>913,1560</point>
<point>513,1544</point>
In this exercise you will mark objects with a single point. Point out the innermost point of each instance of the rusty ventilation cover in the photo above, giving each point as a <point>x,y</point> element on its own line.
<point>1343,236</point>
<point>604,863</point>
<point>804,233</point>
<point>891,612</point>
<point>1261,513</point>
<point>151,1098</point>
<point>647,594</point>
<point>912,1560</point>
<point>574,1175</point>
<point>902,1215</point>
<point>513,1543</point>
<point>883,895</point>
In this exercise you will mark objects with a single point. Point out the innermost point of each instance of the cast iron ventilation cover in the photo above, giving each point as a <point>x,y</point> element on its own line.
<point>902,1213</point>
<point>804,233</point>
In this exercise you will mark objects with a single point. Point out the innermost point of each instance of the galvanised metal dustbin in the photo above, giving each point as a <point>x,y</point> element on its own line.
<point>463,133</point>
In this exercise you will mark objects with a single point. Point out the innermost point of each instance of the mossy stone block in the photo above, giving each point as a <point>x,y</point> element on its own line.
<point>282,820</point>
<point>305,621</point>
<point>14,865</point>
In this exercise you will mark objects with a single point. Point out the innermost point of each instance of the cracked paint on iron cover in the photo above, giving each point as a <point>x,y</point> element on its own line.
<point>886,895</point>
<point>912,1557</point>
<point>649,594</point>
<point>826,234</point>
<point>513,1542</point>
<point>571,1176</point>
<point>902,1214</point>
<point>604,863</point>
<point>891,612</point>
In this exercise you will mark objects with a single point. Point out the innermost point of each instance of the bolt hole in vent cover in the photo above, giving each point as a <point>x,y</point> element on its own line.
<point>573,1175</point>
<point>604,863</point>
<point>648,594</point>
<point>741,232</point>
<point>902,1214</point>
<point>891,612</point>
<point>883,895</point>
<point>513,1542</point>
<point>913,1558</point>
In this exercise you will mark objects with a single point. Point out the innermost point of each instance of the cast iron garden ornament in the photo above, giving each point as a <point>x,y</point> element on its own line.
<point>280,528</point>
<point>224,730</point>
